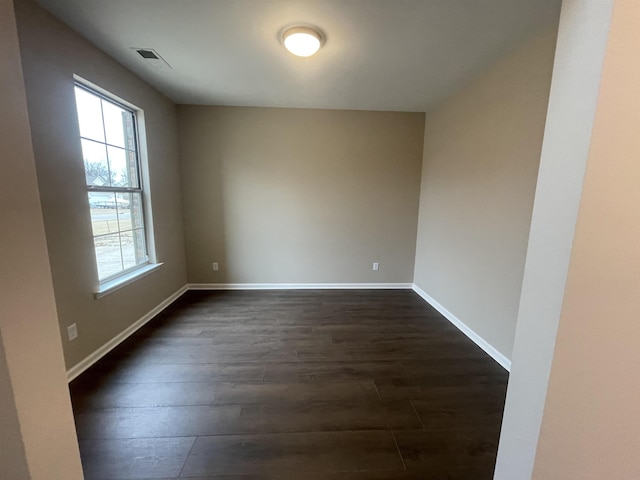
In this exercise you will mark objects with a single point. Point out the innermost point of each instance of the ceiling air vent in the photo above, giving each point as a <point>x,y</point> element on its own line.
<point>152,58</point>
<point>147,54</point>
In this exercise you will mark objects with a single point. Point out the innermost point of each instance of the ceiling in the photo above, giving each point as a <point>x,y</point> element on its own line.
<point>402,55</point>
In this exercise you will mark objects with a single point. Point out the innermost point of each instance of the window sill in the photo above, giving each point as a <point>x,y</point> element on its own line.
<point>117,283</point>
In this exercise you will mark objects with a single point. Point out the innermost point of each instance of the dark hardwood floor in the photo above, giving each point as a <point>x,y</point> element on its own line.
<point>305,385</point>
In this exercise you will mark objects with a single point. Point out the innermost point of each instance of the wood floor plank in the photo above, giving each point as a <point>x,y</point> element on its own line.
<point>229,354</point>
<point>239,337</point>
<point>296,452</point>
<point>147,422</point>
<point>291,393</point>
<point>462,409</point>
<point>328,416</point>
<point>455,454</point>
<point>122,395</point>
<point>327,370</point>
<point>389,351</point>
<point>158,422</point>
<point>129,459</point>
<point>449,386</point>
<point>165,394</point>
<point>181,373</point>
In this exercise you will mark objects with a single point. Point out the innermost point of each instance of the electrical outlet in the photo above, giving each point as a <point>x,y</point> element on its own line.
<point>215,267</point>
<point>72,331</point>
<point>376,266</point>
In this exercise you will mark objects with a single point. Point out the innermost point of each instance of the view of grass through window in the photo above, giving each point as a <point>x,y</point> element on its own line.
<point>109,148</point>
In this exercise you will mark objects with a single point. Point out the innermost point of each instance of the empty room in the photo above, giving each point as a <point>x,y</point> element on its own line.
<point>328,239</point>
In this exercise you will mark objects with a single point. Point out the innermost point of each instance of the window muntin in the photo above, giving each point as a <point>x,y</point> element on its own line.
<point>112,172</point>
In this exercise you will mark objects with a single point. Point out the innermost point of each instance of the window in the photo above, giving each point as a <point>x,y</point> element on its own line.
<point>112,170</point>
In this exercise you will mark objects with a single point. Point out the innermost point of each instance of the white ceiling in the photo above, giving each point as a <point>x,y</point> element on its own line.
<point>404,55</point>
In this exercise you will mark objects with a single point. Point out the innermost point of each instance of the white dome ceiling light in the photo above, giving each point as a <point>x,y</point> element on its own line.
<point>302,41</point>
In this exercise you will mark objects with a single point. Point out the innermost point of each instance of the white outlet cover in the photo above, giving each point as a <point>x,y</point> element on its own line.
<point>376,266</point>
<point>215,267</point>
<point>72,331</point>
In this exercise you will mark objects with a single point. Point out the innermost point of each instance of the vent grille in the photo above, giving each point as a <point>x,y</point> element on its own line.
<point>147,54</point>
<point>151,58</point>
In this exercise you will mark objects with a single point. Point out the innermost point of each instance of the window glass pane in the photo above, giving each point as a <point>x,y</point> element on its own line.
<point>118,125</point>
<point>108,255</point>
<point>128,250</point>
<point>96,166</point>
<point>89,115</point>
<point>133,248</point>
<point>124,170</point>
<point>103,213</point>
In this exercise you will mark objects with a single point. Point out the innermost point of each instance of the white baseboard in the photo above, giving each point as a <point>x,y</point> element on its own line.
<point>298,286</point>
<point>477,339</point>
<point>83,365</point>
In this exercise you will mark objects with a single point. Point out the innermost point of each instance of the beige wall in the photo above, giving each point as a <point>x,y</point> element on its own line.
<point>591,425</point>
<point>51,54</point>
<point>37,434</point>
<point>300,196</point>
<point>13,461</point>
<point>481,154</point>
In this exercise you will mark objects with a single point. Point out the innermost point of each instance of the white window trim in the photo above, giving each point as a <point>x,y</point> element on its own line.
<point>125,279</point>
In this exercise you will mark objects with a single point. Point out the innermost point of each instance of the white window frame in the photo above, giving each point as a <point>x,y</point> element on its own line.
<point>129,275</point>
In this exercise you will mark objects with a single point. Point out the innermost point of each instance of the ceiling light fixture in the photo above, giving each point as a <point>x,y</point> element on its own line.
<point>302,41</point>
